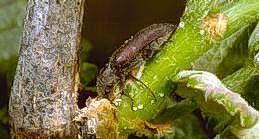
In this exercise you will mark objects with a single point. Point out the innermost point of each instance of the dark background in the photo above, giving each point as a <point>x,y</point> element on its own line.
<point>108,23</point>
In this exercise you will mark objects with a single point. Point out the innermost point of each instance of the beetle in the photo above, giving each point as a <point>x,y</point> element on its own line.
<point>132,54</point>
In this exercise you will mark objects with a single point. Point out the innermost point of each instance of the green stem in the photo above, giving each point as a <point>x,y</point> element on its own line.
<point>184,47</point>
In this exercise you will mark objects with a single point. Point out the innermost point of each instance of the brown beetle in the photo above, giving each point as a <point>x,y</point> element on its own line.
<point>132,54</point>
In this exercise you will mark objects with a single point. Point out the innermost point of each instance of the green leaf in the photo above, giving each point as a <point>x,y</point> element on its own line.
<point>186,127</point>
<point>85,49</point>
<point>245,117</point>
<point>88,72</point>
<point>176,110</point>
<point>228,55</point>
<point>11,18</point>
<point>245,81</point>
<point>254,44</point>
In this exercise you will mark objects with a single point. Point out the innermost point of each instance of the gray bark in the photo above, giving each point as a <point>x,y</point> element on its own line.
<point>43,97</point>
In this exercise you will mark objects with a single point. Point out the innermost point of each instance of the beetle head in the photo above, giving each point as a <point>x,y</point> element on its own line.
<point>106,81</point>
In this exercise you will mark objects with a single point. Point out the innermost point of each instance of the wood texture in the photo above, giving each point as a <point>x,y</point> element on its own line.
<point>43,97</point>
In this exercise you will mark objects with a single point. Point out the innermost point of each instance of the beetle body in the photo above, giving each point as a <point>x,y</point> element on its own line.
<point>133,53</point>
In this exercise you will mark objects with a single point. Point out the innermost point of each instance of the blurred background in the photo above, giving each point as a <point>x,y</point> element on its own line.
<point>107,24</point>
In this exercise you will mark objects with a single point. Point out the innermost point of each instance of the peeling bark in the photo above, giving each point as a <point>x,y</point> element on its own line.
<point>43,97</point>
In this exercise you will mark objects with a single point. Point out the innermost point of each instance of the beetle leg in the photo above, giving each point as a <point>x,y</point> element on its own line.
<point>134,78</point>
